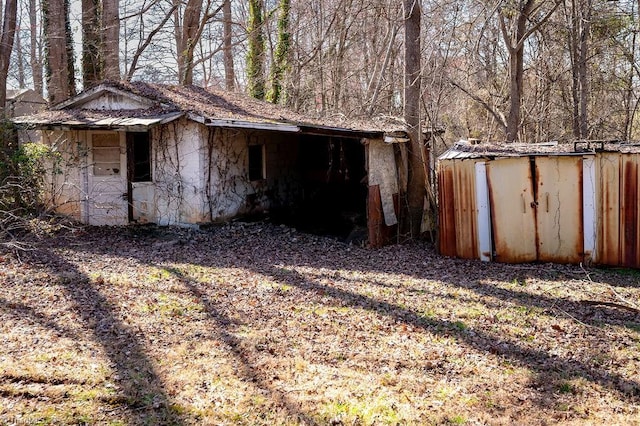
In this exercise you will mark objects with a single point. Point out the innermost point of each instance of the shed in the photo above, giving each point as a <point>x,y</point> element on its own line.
<point>565,203</point>
<point>24,102</point>
<point>153,153</point>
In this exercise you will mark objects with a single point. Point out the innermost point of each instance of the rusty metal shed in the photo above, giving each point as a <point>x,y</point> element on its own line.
<point>565,203</point>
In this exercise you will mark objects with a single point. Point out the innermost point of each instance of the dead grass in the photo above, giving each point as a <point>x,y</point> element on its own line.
<point>256,324</point>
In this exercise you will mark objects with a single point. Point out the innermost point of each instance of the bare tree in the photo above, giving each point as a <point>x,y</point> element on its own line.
<point>92,61</point>
<point>256,50</point>
<point>578,16</point>
<point>416,187</point>
<point>515,23</point>
<point>111,39</point>
<point>280,57</point>
<point>59,55</point>
<point>229,69</point>
<point>34,48</point>
<point>6,46</point>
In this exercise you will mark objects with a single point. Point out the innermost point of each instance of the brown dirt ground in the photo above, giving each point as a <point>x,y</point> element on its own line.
<point>259,324</point>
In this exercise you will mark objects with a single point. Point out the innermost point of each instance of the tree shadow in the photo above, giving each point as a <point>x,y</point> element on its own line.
<point>538,361</point>
<point>469,275</point>
<point>247,369</point>
<point>141,392</point>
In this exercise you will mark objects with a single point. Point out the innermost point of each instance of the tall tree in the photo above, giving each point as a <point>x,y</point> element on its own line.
<point>417,184</point>
<point>188,39</point>
<point>92,61</point>
<point>515,17</point>
<point>6,46</point>
<point>111,39</point>
<point>578,16</point>
<point>34,48</point>
<point>59,55</point>
<point>280,57</point>
<point>255,52</point>
<point>229,69</point>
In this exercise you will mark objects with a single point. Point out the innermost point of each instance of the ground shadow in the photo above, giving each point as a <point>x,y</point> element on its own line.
<point>278,263</point>
<point>141,395</point>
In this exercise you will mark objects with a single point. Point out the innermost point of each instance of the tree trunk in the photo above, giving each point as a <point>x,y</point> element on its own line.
<point>255,54</point>
<point>188,40</point>
<point>20,57</point>
<point>54,16</point>
<point>111,39</point>
<point>229,69</point>
<point>6,45</point>
<point>34,50</point>
<point>416,187</point>
<point>91,43</point>
<point>281,55</point>
<point>518,15</point>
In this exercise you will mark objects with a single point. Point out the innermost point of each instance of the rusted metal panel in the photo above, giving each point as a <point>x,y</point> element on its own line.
<point>513,209</point>
<point>629,211</point>
<point>375,220</point>
<point>608,230</point>
<point>446,211</point>
<point>465,209</point>
<point>379,233</point>
<point>558,206</point>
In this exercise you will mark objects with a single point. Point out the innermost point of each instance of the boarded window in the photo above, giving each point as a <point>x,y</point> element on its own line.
<point>106,154</point>
<point>256,162</point>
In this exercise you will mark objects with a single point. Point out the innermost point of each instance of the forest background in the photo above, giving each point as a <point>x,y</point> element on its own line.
<point>527,70</point>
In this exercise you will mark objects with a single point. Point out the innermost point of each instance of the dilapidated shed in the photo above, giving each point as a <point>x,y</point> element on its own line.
<point>566,203</point>
<point>140,153</point>
<point>24,102</point>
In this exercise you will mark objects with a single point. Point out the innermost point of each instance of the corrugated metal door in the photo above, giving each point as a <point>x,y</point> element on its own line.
<point>559,209</point>
<point>629,195</point>
<point>446,212</point>
<point>618,209</point>
<point>513,210</point>
<point>608,177</point>
<point>457,208</point>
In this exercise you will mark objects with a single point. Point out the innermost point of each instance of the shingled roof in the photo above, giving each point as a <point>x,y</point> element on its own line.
<point>209,106</point>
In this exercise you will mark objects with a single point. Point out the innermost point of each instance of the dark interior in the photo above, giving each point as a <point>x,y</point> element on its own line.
<point>334,189</point>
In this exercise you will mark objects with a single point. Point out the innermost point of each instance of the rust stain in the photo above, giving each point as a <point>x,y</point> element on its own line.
<point>465,209</point>
<point>446,195</point>
<point>629,214</point>
<point>608,231</point>
<point>374,216</point>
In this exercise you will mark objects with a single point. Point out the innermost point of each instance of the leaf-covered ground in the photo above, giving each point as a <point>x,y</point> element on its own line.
<point>258,324</point>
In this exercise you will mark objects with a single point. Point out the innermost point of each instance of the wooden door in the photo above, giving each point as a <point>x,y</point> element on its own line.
<point>107,179</point>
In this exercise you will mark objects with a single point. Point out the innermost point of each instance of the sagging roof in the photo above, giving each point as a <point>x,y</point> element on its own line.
<point>159,103</point>
<point>468,149</point>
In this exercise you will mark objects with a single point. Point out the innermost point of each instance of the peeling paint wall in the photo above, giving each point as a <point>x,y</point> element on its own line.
<point>177,152</point>
<point>229,190</point>
<point>64,190</point>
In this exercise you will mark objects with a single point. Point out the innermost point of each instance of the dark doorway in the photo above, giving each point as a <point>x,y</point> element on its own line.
<point>334,187</point>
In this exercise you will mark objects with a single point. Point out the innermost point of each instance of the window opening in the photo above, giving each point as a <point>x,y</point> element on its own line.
<point>141,157</point>
<point>106,154</point>
<point>256,162</point>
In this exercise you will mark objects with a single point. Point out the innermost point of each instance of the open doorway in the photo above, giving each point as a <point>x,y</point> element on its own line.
<point>334,187</point>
